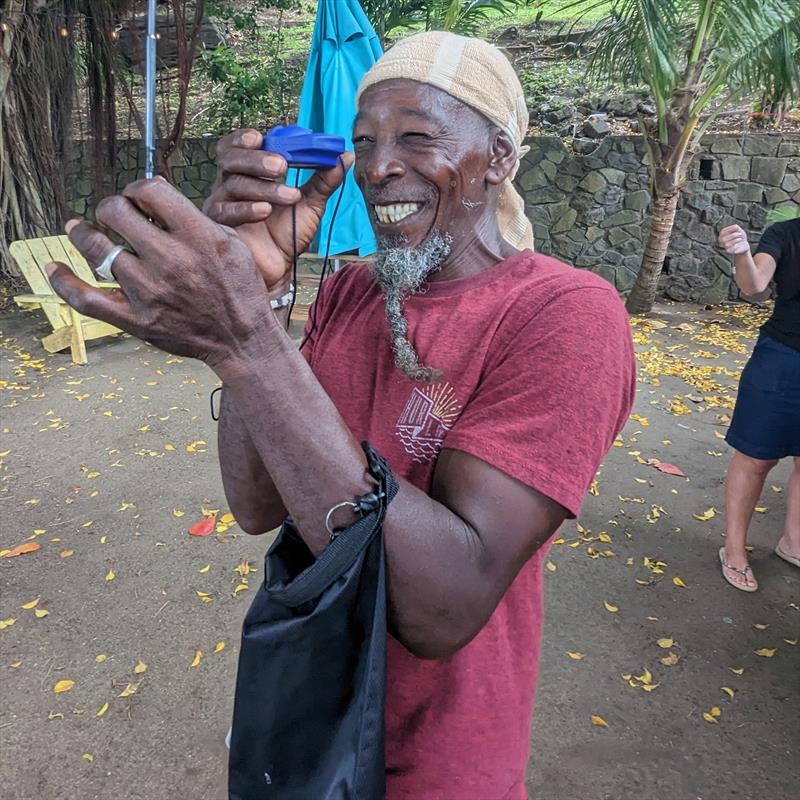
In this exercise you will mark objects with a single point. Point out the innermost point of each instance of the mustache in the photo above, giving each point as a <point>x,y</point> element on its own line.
<point>389,196</point>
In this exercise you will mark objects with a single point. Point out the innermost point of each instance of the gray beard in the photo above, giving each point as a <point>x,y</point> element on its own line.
<point>401,270</point>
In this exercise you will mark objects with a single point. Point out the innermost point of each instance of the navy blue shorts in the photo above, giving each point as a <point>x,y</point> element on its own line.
<point>766,420</point>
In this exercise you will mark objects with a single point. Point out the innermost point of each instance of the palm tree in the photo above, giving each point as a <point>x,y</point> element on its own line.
<point>696,57</point>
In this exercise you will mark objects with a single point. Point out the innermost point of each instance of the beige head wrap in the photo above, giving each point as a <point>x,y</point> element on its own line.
<point>480,76</point>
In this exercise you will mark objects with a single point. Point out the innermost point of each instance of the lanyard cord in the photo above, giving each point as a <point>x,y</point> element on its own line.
<point>325,262</point>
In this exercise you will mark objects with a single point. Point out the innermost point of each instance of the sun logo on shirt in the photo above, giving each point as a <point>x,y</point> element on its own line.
<point>429,413</point>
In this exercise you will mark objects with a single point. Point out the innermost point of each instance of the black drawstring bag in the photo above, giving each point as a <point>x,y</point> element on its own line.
<point>308,719</point>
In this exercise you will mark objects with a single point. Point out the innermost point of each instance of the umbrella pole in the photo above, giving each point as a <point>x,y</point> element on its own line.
<point>150,90</point>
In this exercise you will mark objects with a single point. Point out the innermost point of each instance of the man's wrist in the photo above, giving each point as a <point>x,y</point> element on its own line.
<point>278,290</point>
<point>241,360</point>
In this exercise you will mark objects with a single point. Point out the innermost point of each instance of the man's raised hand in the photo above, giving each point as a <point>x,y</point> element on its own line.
<point>190,285</point>
<point>251,197</point>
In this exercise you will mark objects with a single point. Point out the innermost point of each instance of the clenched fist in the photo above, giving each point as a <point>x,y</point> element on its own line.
<point>733,240</point>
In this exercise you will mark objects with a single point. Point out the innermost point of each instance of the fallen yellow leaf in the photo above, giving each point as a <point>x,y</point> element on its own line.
<point>140,667</point>
<point>706,515</point>
<point>792,642</point>
<point>198,657</point>
<point>129,690</point>
<point>40,612</point>
<point>88,757</point>
<point>648,687</point>
<point>761,509</point>
<point>55,715</point>
<point>102,710</point>
<point>6,623</point>
<point>100,658</point>
<point>728,691</point>
<point>227,519</point>
<point>63,686</point>
<point>678,582</point>
<point>609,607</point>
<point>653,619</point>
<point>706,716</point>
<point>575,656</point>
<point>219,647</point>
<point>176,512</point>
<point>766,652</point>
<point>665,643</point>
<point>110,575</point>
<point>169,447</point>
<point>206,568</point>
<point>715,712</point>
<point>670,660</point>
<point>736,670</point>
<point>32,604</point>
<point>67,553</point>
<point>645,677</point>
<point>240,588</point>
<point>103,539</point>
<point>551,567</point>
<point>759,626</point>
<point>599,721</point>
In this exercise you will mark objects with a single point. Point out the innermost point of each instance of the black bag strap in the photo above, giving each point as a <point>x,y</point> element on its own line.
<point>346,545</point>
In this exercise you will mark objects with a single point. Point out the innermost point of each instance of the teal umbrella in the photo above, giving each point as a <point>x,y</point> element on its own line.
<point>344,46</point>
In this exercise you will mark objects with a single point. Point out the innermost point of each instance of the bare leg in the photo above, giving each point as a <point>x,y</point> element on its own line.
<point>743,486</point>
<point>790,541</point>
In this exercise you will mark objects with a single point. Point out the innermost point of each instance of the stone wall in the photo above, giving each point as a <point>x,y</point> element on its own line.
<point>194,171</point>
<point>591,208</point>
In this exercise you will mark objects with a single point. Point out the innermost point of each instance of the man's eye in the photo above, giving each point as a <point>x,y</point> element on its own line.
<point>416,135</point>
<point>361,139</point>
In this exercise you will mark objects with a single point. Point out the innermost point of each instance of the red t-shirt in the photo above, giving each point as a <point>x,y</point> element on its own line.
<point>537,379</point>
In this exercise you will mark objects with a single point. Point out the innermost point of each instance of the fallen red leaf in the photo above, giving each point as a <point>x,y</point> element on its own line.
<point>670,469</point>
<point>20,549</point>
<point>205,527</point>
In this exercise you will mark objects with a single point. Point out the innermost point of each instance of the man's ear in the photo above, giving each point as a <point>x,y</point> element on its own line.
<point>502,158</point>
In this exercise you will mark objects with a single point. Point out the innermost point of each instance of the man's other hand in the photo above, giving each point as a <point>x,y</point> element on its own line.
<point>733,240</point>
<point>189,287</point>
<point>250,195</point>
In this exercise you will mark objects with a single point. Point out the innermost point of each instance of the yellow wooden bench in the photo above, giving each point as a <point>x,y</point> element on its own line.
<point>70,329</point>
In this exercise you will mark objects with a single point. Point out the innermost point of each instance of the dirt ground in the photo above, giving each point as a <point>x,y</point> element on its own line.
<point>106,466</point>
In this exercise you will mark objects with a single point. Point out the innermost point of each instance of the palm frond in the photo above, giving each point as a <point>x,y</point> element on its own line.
<point>771,67</point>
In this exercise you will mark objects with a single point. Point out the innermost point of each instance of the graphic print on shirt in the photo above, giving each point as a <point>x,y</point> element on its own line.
<point>429,413</point>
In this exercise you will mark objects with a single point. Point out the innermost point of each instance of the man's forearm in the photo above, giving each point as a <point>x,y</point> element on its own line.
<point>315,463</point>
<point>251,494</point>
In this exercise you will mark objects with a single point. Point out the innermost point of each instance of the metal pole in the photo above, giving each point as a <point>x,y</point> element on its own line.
<point>150,90</point>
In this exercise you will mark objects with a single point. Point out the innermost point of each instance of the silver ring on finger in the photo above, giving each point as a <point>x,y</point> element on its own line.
<point>104,270</point>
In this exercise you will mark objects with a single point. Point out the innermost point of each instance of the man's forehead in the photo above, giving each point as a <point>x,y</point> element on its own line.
<point>408,98</point>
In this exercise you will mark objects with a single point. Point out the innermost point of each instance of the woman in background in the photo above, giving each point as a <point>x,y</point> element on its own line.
<point>766,421</point>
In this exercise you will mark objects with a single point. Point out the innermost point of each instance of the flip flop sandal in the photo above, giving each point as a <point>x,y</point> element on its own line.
<point>743,571</point>
<point>788,557</point>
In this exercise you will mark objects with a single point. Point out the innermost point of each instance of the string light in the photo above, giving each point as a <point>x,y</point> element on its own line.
<point>5,27</point>
<point>63,32</point>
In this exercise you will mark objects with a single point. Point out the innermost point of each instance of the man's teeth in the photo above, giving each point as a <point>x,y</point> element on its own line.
<point>394,213</point>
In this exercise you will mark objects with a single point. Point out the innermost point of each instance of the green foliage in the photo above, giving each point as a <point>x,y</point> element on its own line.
<point>254,83</point>
<point>693,53</point>
<point>782,214</point>
<point>461,16</point>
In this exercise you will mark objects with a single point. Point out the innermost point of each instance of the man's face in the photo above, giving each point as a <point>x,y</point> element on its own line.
<point>421,159</point>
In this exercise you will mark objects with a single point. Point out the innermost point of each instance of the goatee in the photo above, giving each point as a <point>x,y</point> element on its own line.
<point>401,270</point>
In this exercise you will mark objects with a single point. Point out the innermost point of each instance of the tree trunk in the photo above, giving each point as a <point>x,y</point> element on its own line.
<point>643,295</point>
<point>36,92</point>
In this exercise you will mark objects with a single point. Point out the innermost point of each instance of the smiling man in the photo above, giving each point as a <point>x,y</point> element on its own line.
<point>493,381</point>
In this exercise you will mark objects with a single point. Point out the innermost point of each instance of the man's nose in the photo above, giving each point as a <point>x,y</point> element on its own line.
<point>383,163</point>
